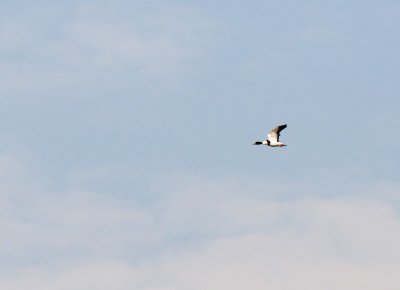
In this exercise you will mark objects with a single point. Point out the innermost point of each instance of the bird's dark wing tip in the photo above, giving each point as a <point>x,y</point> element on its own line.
<point>281,127</point>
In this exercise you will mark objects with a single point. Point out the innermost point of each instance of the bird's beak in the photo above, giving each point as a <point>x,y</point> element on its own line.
<point>283,145</point>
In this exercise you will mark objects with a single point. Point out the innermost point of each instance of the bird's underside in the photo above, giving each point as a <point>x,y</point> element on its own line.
<point>273,138</point>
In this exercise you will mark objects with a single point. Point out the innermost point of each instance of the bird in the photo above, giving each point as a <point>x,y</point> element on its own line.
<point>273,137</point>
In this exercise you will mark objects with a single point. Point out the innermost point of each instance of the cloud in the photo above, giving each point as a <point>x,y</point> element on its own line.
<point>41,223</point>
<point>199,233</point>
<point>341,251</point>
<point>116,45</point>
<point>119,69</point>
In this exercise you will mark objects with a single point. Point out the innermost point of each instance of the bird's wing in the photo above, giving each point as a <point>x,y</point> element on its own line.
<point>273,135</point>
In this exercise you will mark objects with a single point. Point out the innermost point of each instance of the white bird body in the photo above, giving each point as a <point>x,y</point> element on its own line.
<point>273,138</point>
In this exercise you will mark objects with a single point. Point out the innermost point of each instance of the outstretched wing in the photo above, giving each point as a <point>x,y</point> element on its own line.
<point>274,134</point>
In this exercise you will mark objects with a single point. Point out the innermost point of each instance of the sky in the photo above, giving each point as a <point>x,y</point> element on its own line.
<point>126,157</point>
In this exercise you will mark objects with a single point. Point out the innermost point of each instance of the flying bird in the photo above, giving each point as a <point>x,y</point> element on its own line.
<point>273,137</point>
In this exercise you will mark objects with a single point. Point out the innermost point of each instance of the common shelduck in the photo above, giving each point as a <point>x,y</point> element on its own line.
<point>273,137</point>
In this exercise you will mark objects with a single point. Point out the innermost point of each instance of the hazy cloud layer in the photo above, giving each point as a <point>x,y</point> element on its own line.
<point>100,46</point>
<point>201,233</point>
<point>125,148</point>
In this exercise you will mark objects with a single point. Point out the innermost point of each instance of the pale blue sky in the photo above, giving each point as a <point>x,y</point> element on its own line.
<point>126,159</point>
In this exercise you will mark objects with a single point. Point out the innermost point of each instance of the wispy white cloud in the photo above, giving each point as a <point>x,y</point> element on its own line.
<point>110,68</point>
<point>47,225</point>
<point>202,233</point>
<point>323,250</point>
<point>97,42</point>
